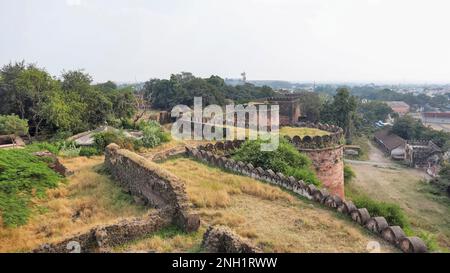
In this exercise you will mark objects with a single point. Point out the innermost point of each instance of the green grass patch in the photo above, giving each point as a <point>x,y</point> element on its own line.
<point>392,212</point>
<point>349,174</point>
<point>22,177</point>
<point>302,132</point>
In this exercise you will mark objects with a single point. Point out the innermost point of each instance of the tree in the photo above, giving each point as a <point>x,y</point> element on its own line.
<point>69,104</point>
<point>10,102</point>
<point>310,105</point>
<point>182,88</point>
<point>98,107</point>
<point>13,125</point>
<point>65,112</point>
<point>123,102</point>
<point>374,111</point>
<point>411,129</point>
<point>76,81</point>
<point>341,111</point>
<point>34,89</point>
<point>408,128</point>
<point>140,104</point>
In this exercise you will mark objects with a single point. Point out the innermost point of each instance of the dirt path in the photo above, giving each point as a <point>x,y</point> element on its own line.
<point>384,180</point>
<point>377,155</point>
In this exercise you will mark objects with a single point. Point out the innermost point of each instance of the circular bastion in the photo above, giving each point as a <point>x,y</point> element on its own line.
<point>326,153</point>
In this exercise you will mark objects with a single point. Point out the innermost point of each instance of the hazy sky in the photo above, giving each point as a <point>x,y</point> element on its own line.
<point>304,40</point>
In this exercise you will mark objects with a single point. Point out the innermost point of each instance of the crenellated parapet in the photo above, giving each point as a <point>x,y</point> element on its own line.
<point>324,127</point>
<point>333,139</point>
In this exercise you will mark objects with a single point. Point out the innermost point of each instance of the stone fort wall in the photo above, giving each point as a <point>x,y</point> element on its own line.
<point>157,187</point>
<point>329,167</point>
<point>376,224</point>
<point>326,153</point>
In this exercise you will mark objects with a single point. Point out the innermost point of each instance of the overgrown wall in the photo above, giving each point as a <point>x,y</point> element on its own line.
<point>221,239</point>
<point>157,187</point>
<point>102,238</point>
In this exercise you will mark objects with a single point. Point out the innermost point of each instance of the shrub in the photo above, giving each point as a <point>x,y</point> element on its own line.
<point>103,139</point>
<point>22,177</point>
<point>89,151</point>
<point>44,146</point>
<point>305,174</point>
<point>153,134</point>
<point>150,137</point>
<point>430,240</point>
<point>392,212</point>
<point>349,174</point>
<point>286,159</point>
<point>127,123</point>
<point>69,150</point>
<point>13,125</point>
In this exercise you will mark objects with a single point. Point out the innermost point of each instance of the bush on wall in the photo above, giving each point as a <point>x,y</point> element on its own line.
<point>286,159</point>
<point>153,134</point>
<point>103,139</point>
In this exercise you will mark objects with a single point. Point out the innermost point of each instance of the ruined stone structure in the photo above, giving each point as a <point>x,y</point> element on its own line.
<point>157,187</point>
<point>423,154</point>
<point>164,117</point>
<point>54,163</point>
<point>289,106</point>
<point>162,189</point>
<point>102,238</point>
<point>290,110</point>
<point>221,239</point>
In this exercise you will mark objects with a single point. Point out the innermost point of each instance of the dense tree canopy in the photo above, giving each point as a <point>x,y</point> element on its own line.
<point>371,92</point>
<point>182,88</point>
<point>374,111</point>
<point>71,103</point>
<point>311,104</point>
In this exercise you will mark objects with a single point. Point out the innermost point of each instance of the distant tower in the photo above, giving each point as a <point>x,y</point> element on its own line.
<point>244,76</point>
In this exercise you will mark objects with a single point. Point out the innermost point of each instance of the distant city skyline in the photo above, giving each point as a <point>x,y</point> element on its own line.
<point>326,41</point>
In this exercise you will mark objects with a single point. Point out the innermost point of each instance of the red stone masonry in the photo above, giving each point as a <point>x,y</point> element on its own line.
<point>329,167</point>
